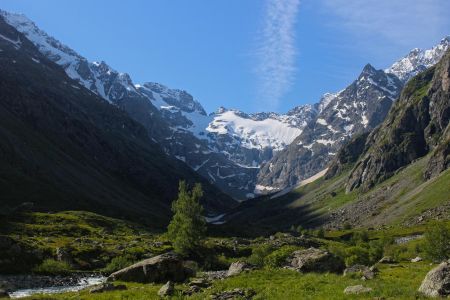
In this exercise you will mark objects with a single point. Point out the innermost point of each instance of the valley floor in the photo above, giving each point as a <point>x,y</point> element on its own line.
<point>398,281</point>
<point>93,242</point>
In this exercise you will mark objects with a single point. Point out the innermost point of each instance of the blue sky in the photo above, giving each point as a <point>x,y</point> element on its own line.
<point>254,55</point>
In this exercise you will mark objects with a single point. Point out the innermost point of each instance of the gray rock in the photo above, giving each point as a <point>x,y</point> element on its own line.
<point>167,290</point>
<point>215,275</point>
<point>196,285</point>
<point>315,260</point>
<point>437,281</point>
<point>160,268</point>
<point>417,259</point>
<point>238,267</point>
<point>200,282</point>
<point>357,289</point>
<point>365,272</point>
<point>234,294</point>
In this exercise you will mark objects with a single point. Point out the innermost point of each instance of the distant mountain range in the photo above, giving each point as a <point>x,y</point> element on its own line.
<point>242,154</point>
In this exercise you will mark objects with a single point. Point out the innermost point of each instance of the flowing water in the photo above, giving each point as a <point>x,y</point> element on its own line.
<point>81,284</point>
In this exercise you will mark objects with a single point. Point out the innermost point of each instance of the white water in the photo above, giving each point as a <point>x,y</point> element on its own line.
<point>82,284</point>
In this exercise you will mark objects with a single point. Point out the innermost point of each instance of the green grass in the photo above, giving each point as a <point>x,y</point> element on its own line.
<point>393,282</point>
<point>91,240</point>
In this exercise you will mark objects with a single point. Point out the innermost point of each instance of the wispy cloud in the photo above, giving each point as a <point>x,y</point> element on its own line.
<point>276,51</point>
<point>400,22</point>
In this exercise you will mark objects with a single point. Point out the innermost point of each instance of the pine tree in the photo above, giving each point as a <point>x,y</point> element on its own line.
<point>188,226</point>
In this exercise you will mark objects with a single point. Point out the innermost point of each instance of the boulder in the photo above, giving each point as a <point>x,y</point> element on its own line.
<point>234,294</point>
<point>357,289</point>
<point>238,267</point>
<point>364,271</point>
<point>106,287</point>
<point>167,290</point>
<point>417,259</point>
<point>315,260</point>
<point>161,268</point>
<point>437,281</point>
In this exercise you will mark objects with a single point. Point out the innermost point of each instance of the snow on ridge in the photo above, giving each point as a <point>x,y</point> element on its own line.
<point>254,134</point>
<point>417,60</point>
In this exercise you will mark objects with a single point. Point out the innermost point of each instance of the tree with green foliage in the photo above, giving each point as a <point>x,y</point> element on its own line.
<point>437,241</point>
<point>188,226</point>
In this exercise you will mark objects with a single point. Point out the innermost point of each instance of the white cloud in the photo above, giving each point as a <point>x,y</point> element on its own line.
<point>276,51</point>
<point>400,22</point>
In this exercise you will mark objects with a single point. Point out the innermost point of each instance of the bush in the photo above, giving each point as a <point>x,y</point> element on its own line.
<point>360,237</point>
<point>118,263</point>
<point>376,250</point>
<point>53,267</point>
<point>357,255</point>
<point>278,257</point>
<point>437,241</point>
<point>259,254</point>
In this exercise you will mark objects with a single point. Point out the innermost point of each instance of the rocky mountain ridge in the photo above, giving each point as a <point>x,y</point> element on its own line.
<point>241,153</point>
<point>64,147</point>
<point>357,109</point>
<point>418,124</point>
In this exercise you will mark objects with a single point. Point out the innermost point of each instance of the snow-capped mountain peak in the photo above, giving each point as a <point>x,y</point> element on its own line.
<point>418,60</point>
<point>172,97</point>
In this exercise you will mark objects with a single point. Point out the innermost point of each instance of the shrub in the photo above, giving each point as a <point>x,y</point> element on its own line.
<point>278,257</point>
<point>376,250</point>
<point>53,267</point>
<point>118,263</point>
<point>259,254</point>
<point>360,237</point>
<point>437,241</point>
<point>357,255</point>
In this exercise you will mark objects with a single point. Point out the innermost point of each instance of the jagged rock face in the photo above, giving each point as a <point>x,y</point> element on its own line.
<point>347,155</point>
<point>359,108</point>
<point>415,124</point>
<point>418,61</point>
